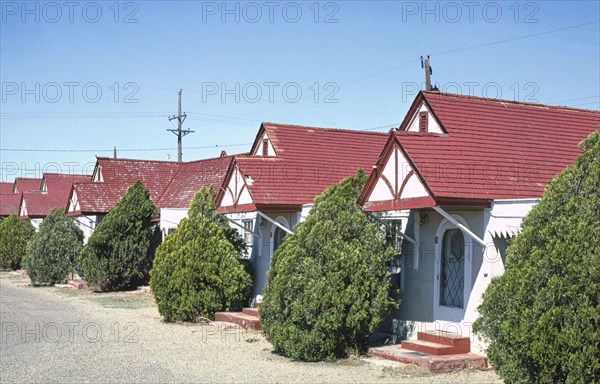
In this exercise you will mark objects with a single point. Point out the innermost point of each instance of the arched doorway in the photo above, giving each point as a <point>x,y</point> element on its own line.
<point>452,273</point>
<point>452,269</point>
<point>278,234</point>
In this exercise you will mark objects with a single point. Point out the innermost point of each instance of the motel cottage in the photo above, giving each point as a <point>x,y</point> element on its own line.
<point>270,190</point>
<point>10,194</point>
<point>53,193</point>
<point>457,177</point>
<point>172,186</point>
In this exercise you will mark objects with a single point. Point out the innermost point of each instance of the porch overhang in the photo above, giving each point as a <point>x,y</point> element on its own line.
<point>466,230</point>
<point>424,202</point>
<point>243,208</point>
<point>279,207</point>
<point>275,223</point>
<point>401,204</point>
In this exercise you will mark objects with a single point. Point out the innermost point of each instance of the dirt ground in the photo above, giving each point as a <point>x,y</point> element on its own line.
<point>62,334</point>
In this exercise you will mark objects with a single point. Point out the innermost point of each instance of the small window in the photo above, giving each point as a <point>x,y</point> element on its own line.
<point>392,233</point>
<point>170,230</point>
<point>248,232</point>
<point>265,147</point>
<point>423,122</point>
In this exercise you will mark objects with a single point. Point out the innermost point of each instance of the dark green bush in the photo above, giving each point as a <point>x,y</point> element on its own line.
<point>542,316</point>
<point>119,254</point>
<point>197,270</point>
<point>53,251</point>
<point>328,287</point>
<point>14,235</point>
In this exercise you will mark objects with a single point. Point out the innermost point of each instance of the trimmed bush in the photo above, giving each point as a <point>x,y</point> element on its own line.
<point>119,254</point>
<point>196,271</point>
<point>14,235</point>
<point>53,251</point>
<point>542,316</point>
<point>328,287</point>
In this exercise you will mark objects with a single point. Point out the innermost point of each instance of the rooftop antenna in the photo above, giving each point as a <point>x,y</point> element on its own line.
<point>179,132</point>
<point>428,72</point>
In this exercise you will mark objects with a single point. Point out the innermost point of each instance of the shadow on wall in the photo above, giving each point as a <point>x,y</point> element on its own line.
<point>391,331</point>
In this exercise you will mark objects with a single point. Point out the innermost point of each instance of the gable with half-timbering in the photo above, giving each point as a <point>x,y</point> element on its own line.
<point>398,179</point>
<point>236,192</point>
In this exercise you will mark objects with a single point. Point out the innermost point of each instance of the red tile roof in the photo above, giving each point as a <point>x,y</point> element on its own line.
<point>24,184</point>
<point>190,178</point>
<point>171,184</point>
<point>57,188</point>
<point>155,175</point>
<point>9,201</point>
<point>6,188</point>
<point>94,198</point>
<point>494,149</point>
<point>307,161</point>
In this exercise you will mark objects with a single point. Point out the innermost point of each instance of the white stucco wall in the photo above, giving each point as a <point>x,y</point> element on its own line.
<point>417,308</point>
<point>262,246</point>
<point>36,223</point>
<point>170,219</point>
<point>87,224</point>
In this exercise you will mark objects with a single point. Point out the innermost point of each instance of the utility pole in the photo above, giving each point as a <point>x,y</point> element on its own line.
<point>179,131</point>
<point>428,72</point>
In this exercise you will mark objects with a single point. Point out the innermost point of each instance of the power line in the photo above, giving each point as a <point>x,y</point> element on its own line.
<point>120,150</point>
<point>393,125</point>
<point>81,115</point>
<point>578,99</point>
<point>515,38</point>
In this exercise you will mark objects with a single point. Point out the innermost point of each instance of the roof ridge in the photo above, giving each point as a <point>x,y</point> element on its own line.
<point>358,131</point>
<point>139,160</point>
<point>209,159</point>
<point>521,103</point>
<point>65,174</point>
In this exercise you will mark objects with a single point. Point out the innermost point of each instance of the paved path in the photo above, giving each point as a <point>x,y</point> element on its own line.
<point>72,336</point>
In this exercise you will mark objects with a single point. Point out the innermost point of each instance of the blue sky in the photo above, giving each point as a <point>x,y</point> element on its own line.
<point>80,78</point>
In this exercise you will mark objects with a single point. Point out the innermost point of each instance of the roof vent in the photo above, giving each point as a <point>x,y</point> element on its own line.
<point>223,154</point>
<point>423,120</point>
<point>265,147</point>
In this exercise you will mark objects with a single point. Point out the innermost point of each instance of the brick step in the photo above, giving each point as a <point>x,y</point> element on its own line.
<point>430,348</point>
<point>79,284</point>
<point>251,312</point>
<point>446,363</point>
<point>461,343</point>
<point>239,318</point>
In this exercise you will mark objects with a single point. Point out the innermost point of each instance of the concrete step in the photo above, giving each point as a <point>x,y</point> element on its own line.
<point>461,344</point>
<point>243,320</point>
<point>429,347</point>
<point>446,363</point>
<point>251,312</point>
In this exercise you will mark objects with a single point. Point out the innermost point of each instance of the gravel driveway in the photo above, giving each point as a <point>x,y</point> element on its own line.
<point>74,336</point>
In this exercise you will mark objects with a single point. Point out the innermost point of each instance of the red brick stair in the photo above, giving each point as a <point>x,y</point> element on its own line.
<point>247,319</point>
<point>437,351</point>
<point>251,312</point>
<point>439,343</point>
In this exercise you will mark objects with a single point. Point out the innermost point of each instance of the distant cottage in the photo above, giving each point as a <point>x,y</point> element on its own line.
<point>171,185</point>
<point>270,190</point>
